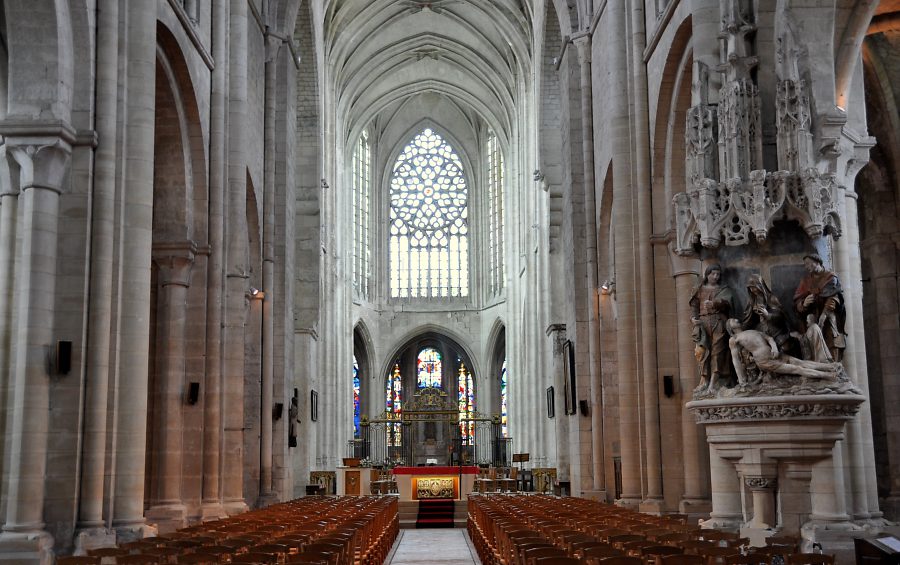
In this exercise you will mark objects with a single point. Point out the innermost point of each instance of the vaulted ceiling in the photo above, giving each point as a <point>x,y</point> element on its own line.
<point>381,52</point>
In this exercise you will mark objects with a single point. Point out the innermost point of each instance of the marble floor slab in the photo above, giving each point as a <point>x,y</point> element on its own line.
<point>438,546</point>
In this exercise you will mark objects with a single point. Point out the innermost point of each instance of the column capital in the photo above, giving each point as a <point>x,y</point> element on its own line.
<point>760,482</point>
<point>582,42</point>
<point>683,264</point>
<point>36,154</point>
<point>174,260</point>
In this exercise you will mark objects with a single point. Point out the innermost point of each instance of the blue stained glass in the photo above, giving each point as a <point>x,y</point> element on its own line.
<point>356,413</point>
<point>429,368</point>
<point>504,401</point>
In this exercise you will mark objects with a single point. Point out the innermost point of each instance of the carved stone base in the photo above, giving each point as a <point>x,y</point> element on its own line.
<point>134,531</point>
<point>94,538</point>
<point>267,499</point>
<point>211,511</point>
<point>168,517</point>
<point>652,506</point>
<point>695,508</point>
<point>235,507</point>
<point>776,446</point>
<point>599,495</point>
<point>26,548</point>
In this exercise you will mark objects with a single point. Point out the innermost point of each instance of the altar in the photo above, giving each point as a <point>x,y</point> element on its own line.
<point>421,483</point>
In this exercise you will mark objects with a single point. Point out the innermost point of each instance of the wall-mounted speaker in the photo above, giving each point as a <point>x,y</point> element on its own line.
<point>63,357</point>
<point>668,386</point>
<point>193,393</point>
<point>277,410</point>
<point>584,408</point>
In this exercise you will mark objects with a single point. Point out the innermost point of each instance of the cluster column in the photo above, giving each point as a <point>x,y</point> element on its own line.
<point>38,155</point>
<point>174,262</point>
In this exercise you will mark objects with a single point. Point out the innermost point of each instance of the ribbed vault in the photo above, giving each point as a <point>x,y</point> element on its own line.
<point>384,51</point>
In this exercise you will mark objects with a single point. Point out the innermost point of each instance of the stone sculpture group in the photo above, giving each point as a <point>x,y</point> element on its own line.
<point>763,342</point>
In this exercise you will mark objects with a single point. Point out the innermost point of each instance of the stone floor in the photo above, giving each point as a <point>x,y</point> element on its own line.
<point>439,546</point>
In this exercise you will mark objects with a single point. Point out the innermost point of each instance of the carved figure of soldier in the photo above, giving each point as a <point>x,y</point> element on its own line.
<point>820,293</point>
<point>711,304</point>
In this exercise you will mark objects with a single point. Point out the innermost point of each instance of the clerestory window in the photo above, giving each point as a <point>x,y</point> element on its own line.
<point>494,178</point>
<point>361,177</point>
<point>429,229</point>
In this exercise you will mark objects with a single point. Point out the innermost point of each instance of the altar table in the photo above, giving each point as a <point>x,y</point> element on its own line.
<point>415,483</point>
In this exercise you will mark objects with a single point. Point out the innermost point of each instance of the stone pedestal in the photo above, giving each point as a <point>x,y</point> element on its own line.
<point>780,451</point>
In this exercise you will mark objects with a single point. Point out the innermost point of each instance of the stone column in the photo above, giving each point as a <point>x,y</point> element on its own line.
<point>726,494</point>
<point>625,276</point>
<point>211,507</point>
<point>266,494</point>
<point>557,333</point>
<point>762,489</point>
<point>653,499</point>
<point>695,498</point>
<point>175,262</point>
<point>847,264</point>
<point>583,45</point>
<point>9,200</point>
<point>41,151</point>
<point>130,450</point>
<point>882,254</point>
<point>236,269</point>
<point>91,525</point>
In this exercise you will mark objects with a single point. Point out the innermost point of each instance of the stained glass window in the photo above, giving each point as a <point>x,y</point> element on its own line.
<point>394,407</point>
<point>356,413</point>
<point>428,368</point>
<point>504,401</point>
<point>361,177</point>
<point>494,160</point>
<point>466,405</point>
<point>429,242</point>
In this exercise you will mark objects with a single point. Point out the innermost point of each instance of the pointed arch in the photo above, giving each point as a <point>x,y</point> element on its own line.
<point>428,220</point>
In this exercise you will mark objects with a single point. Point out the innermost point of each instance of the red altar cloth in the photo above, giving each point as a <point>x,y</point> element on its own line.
<point>471,470</point>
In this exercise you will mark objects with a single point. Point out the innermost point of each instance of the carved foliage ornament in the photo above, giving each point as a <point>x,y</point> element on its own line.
<point>760,483</point>
<point>780,411</point>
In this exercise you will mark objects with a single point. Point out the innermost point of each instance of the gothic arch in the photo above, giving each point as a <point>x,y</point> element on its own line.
<point>430,331</point>
<point>414,130</point>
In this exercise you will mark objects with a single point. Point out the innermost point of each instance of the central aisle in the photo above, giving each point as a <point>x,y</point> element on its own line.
<point>444,547</point>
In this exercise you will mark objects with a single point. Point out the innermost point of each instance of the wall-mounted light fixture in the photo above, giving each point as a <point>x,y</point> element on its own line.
<point>256,293</point>
<point>607,287</point>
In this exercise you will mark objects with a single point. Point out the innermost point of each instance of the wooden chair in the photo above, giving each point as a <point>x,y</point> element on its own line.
<point>680,559</point>
<point>717,555</point>
<point>595,553</point>
<point>78,560</point>
<point>137,560</point>
<point>750,559</point>
<point>809,559</point>
<point>198,558</point>
<point>693,546</point>
<point>621,560</point>
<point>531,554</point>
<point>266,558</point>
<point>659,550</point>
<point>556,561</point>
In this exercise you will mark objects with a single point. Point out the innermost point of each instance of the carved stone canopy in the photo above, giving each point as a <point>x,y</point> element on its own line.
<point>728,212</point>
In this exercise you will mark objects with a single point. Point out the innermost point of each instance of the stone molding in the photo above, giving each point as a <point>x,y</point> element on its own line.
<point>802,407</point>
<point>760,483</point>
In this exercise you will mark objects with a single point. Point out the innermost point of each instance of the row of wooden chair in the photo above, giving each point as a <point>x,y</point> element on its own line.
<point>544,530</point>
<point>310,530</point>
